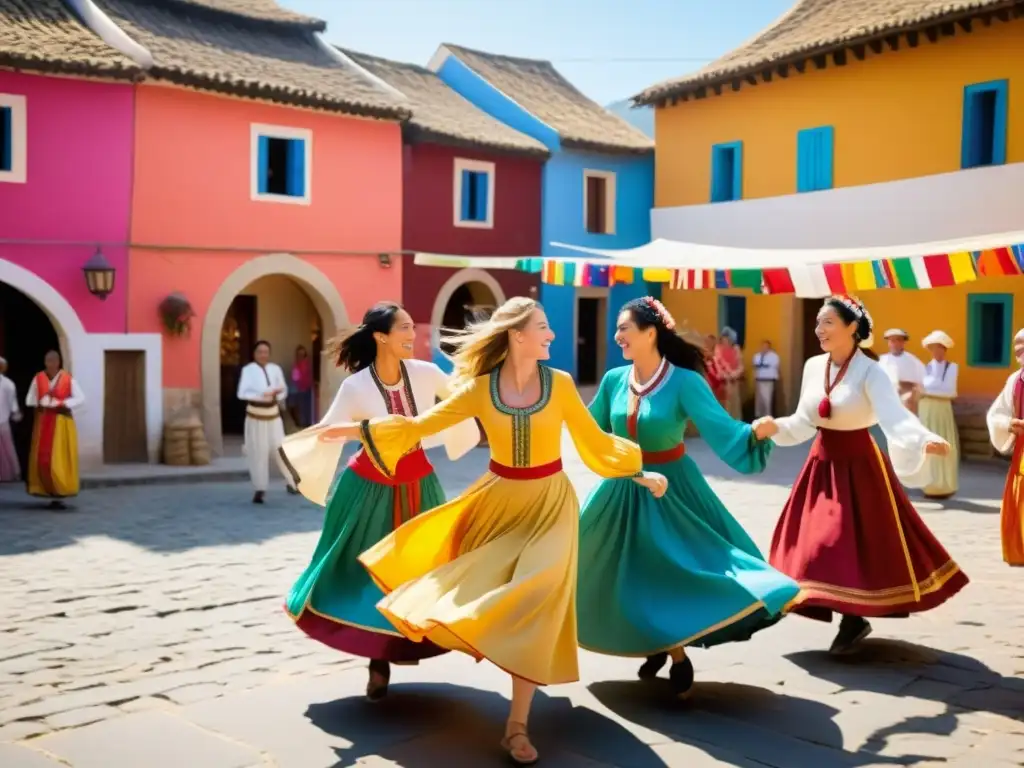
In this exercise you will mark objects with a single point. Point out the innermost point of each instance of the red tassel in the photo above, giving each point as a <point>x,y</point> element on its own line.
<point>825,408</point>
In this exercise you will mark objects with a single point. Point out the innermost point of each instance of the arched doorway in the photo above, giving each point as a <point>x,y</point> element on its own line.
<point>26,334</point>
<point>468,295</point>
<point>300,305</point>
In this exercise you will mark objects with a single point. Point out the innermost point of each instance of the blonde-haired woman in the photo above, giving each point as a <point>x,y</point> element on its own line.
<point>492,573</point>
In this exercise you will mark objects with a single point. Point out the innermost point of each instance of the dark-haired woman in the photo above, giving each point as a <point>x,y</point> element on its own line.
<point>334,601</point>
<point>657,575</point>
<point>848,533</point>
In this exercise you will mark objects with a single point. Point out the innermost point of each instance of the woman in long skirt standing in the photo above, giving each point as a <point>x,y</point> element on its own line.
<point>936,413</point>
<point>334,600</point>
<point>657,575</point>
<point>848,533</point>
<point>492,573</point>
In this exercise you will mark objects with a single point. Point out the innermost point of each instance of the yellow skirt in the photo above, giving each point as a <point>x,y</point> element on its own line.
<point>491,573</point>
<point>937,415</point>
<point>53,460</point>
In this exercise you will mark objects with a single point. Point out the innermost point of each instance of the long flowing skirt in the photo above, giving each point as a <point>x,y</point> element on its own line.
<point>53,459</point>
<point>491,573</point>
<point>853,541</point>
<point>655,574</point>
<point>10,469</point>
<point>937,415</point>
<point>1011,513</point>
<point>334,600</point>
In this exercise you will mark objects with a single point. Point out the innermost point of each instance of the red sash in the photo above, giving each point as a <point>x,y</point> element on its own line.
<point>412,468</point>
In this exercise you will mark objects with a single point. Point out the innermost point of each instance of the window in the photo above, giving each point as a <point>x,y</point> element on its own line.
<point>599,202</point>
<point>989,329</point>
<point>474,194</point>
<point>727,172</point>
<point>814,153</point>
<point>280,164</point>
<point>984,125</point>
<point>732,313</point>
<point>13,139</point>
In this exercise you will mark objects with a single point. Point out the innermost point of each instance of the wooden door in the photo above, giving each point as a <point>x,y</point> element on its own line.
<point>124,407</point>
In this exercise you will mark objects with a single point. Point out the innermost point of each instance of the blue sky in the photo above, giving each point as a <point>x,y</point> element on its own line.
<point>609,49</point>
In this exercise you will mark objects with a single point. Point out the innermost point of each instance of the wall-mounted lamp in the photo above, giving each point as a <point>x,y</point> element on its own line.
<point>384,259</point>
<point>99,275</point>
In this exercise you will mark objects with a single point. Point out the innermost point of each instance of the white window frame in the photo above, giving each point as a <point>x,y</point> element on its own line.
<point>609,200</point>
<point>479,166</point>
<point>256,130</point>
<point>19,139</point>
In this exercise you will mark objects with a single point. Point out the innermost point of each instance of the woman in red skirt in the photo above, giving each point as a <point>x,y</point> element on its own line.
<point>848,533</point>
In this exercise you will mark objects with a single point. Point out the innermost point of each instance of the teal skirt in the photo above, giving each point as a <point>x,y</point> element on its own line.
<point>335,601</point>
<point>655,574</point>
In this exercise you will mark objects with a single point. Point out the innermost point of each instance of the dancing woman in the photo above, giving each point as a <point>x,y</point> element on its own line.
<point>848,533</point>
<point>334,601</point>
<point>493,572</point>
<point>657,575</point>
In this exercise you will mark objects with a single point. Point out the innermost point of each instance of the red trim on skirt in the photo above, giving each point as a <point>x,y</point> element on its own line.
<point>853,541</point>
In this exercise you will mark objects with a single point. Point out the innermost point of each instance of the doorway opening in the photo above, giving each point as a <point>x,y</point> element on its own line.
<point>26,335</point>
<point>470,303</point>
<point>590,339</point>
<point>809,345</point>
<point>278,310</point>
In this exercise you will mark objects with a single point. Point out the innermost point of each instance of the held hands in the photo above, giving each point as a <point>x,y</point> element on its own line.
<point>655,483</point>
<point>765,427</point>
<point>936,448</point>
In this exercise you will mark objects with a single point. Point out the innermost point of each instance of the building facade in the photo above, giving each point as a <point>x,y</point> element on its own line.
<point>597,188</point>
<point>914,133</point>
<point>471,186</point>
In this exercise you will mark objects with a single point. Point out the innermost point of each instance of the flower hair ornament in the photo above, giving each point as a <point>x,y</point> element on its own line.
<point>860,312</point>
<point>663,314</point>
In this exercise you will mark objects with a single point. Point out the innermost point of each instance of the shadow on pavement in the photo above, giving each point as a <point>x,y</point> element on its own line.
<point>739,725</point>
<point>960,683</point>
<point>441,726</point>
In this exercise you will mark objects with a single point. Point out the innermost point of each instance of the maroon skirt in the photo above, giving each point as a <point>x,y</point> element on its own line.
<point>853,541</point>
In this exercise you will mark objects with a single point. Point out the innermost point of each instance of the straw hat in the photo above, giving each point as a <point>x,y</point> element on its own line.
<point>896,333</point>
<point>937,337</point>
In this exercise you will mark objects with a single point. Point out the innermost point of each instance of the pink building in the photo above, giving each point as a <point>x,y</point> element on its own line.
<point>66,142</point>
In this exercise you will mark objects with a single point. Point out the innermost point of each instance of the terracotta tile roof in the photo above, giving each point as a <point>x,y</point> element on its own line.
<point>813,27</point>
<point>441,115</point>
<point>540,89</point>
<point>45,36</point>
<point>246,56</point>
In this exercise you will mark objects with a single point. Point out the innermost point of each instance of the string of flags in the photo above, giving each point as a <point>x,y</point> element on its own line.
<point>913,273</point>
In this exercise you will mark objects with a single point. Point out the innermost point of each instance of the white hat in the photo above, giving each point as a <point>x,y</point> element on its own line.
<point>937,337</point>
<point>896,332</point>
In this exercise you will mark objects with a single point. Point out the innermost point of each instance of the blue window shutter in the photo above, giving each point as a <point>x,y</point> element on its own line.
<point>814,159</point>
<point>296,167</point>
<point>737,171</point>
<point>263,163</point>
<point>7,147</point>
<point>481,196</point>
<point>466,197</point>
<point>983,137</point>
<point>999,129</point>
<point>826,157</point>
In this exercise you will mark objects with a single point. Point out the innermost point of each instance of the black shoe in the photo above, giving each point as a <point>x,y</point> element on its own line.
<point>852,630</point>
<point>650,668</point>
<point>257,498</point>
<point>57,504</point>
<point>293,490</point>
<point>380,676</point>
<point>680,676</point>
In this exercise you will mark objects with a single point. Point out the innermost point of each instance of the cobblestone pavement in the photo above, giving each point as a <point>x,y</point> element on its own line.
<point>144,629</point>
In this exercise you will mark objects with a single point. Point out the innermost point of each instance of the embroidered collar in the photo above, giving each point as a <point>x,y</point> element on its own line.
<point>640,390</point>
<point>508,410</point>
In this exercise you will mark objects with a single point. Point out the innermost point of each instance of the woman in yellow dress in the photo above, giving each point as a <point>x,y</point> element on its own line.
<point>492,573</point>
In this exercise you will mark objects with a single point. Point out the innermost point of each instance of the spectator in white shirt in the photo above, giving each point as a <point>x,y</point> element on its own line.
<point>766,378</point>
<point>936,413</point>
<point>10,470</point>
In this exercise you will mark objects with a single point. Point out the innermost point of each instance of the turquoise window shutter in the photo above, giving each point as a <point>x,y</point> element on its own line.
<point>263,163</point>
<point>467,197</point>
<point>296,182</point>
<point>481,196</point>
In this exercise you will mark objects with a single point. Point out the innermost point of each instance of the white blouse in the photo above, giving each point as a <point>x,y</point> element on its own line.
<point>999,415</point>
<point>863,398</point>
<point>32,396</point>
<point>257,379</point>
<point>940,379</point>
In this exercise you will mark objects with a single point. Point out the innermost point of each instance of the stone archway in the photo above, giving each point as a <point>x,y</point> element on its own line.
<point>321,291</point>
<point>461,278</point>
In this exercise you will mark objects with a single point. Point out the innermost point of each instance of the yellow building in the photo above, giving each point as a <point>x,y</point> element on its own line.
<point>900,123</point>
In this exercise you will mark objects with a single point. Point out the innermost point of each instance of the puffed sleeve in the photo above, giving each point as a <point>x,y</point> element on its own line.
<point>799,427</point>
<point>252,385</point>
<point>732,441</point>
<point>601,406</point>
<point>906,435</point>
<point>999,416</point>
<point>77,397</point>
<point>464,436</point>
<point>604,454</point>
<point>388,439</point>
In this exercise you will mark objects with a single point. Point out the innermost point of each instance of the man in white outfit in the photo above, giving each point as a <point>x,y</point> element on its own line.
<point>263,388</point>
<point>10,469</point>
<point>905,370</point>
<point>766,378</point>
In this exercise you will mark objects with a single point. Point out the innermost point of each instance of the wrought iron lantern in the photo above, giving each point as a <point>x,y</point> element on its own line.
<point>99,275</point>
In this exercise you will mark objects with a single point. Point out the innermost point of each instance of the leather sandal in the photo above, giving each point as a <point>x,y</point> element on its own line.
<point>380,676</point>
<point>516,739</point>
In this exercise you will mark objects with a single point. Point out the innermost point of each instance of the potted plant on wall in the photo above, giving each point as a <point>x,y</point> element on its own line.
<point>176,314</point>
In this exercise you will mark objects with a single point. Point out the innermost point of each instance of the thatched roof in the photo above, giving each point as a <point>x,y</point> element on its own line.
<point>441,115</point>
<point>542,91</point>
<point>243,48</point>
<point>813,28</point>
<point>45,36</point>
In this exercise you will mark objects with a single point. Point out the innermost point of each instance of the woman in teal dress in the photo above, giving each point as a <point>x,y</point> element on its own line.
<point>657,575</point>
